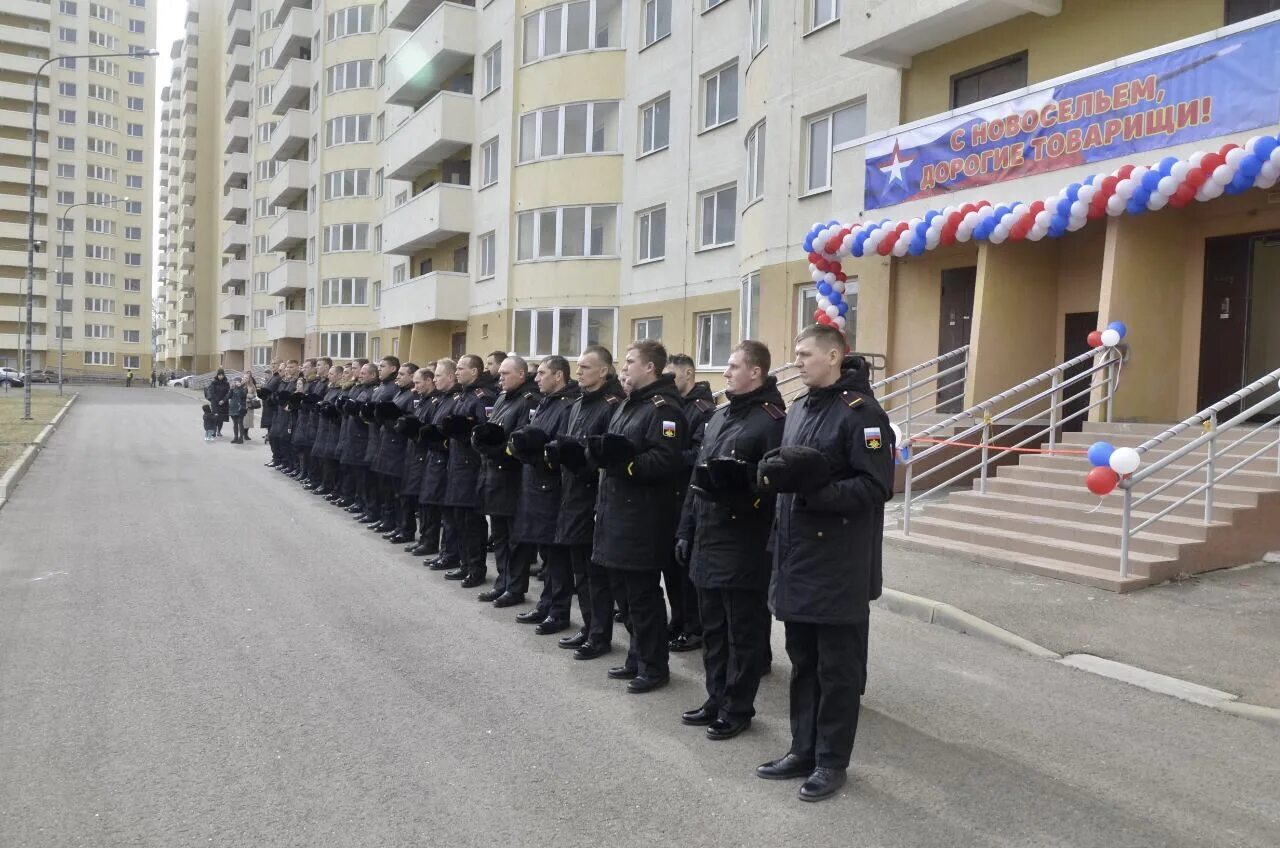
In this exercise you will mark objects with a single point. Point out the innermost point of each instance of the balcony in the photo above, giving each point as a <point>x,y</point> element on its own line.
<point>229,340</point>
<point>187,262</point>
<point>239,132</point>
<point>441,46</point>
<point>235,171</point>
<point>235,205</point>
<point>239,27</point>
<point>289,277</point>
<point>14,341</point>
<point>18,259</point>
<point>290,324</point>
<point>233,306</point>
<point>439,296</point>
<point>186,328</point>
<point>187,305</point>
<point>890,34</point>
<point>294,38</point>
<point>235,271</point>
<point>291,136</point>
<point>235,239</point>
<point>284,7</point>
<point>289,231</point>
<point>239,100</point>
<point>18,315</point>
<point>435,132</point>
<point>239,63</point>
<point>409,14</point>
<point>441,212</point>
<point>293,87</point>
<point>290,183</point>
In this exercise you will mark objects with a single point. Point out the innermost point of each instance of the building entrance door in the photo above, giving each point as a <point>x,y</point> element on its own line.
<point>955,323</point>
<point>1239,315</point>
<point>1076,329</point>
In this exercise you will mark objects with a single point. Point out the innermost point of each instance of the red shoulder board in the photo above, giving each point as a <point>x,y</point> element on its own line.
<point>773,411</point>
<point>610,398</point>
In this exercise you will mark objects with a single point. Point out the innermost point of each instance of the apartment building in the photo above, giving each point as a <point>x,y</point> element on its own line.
<point>93,178</point>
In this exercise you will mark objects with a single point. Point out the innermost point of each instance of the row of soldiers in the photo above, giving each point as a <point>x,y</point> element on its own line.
<point>622,481</point>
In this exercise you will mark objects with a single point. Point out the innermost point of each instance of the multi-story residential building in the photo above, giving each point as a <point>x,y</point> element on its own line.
<point>93,183</point>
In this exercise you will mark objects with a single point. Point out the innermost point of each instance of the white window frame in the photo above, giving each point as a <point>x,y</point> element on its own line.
<point>560,11</point>
<point>649,249</point>
<point>643,328</point>
<point>105,358</point>
<point>349,76</point>
<point>709,96</point>
<point>346,129</point>
<point>749,307</point>
<point>487,247</point>
<point>344,291</point>
<point>553,119</point>
<point>353,20</point>
<point>715,194</point>
<point>758,10</point>
<point>822,13</point>
<point>705,322</point>
<point>757,142</point>
<point>349,182</point>
<point>337,236</point>
<point>492,70</point>
<point>344,344</point>
<point>651,31</point>
<point>806,305</point>
<point>133,362</point>
<point>821,128</point>
<point>489,163</point>
<point>537,347</point>
<point>610,251</point>
<point>649,142</point>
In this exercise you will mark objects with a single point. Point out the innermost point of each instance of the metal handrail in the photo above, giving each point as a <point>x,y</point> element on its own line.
<point>1099,381</point>
<point>1214,430</point>
<point>932,386</point>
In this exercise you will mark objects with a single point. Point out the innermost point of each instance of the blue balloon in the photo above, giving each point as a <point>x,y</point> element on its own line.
<point>1250,166</point>
<point>824,289</point>
<point>808,245</point>
<point>905,450</point>
<point>1059,221</point>
<point>916,248</point>
<point>1265,146</point>
<point>1100,454</point>
<point>1150,181</point>
<point>1166,165</point>
<point>843,307</point>
<point>1089,179</point>
<point>1136,206</point>
<point>834,296</point>
<point>930,215</point>
<point>1056,230</point>
<point>1064,207</point>
<point>1119,327</point>
<point>1073,192</point>
<point>1001,211</point>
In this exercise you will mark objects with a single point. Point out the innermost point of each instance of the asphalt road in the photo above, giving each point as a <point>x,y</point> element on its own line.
<point>193,651</point>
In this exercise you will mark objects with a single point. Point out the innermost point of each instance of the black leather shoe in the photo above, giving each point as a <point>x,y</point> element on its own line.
<point>700,717</point>
<point>684,642</point>
<point>551,625</point>
<point>573,642</point>
<point>430,550</point>
<point>533,616</point>
<point>384,526</point>
<point>622,672</point>
<point>643,683</point>
<point>336,499</point>
<point>490,596</point>
<point>785,768</point>
<point>416,549</point>
<point>590,650</point>
<point>726,728</point>
<point>823,783</point>
<point>355,508</point>
<point>439,564</point>
<point>320,491</point>
<point>508,599</point>
<point>272,464</point>
<point>456,574</point>
<point>399,538</point>
<point>472,581</point>
<point>368,519</point>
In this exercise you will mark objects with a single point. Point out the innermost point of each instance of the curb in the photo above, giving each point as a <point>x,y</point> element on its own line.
<point>9,481</point>
<point>953,618</point>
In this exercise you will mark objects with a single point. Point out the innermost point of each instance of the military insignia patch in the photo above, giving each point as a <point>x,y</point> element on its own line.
<point>871,437</point>
<point>668,429</point>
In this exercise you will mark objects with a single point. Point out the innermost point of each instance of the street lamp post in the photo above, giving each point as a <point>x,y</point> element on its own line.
<point>62,271</point>
<point>31,205</point>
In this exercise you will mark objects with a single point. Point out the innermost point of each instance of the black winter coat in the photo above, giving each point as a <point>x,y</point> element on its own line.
<point>699,406</point>
<point>576,523</point>
<point>353,439</point>
<point>638,507</point>
<point>540,483</point>
<point>730,529</point>
<point>500,472</point>
<point>328,421</point>
<point>415,453</point>
<point>217,393</point>
<point>304,428</point>
<point>474,402</point>
<point>268,392</point>
<point>385,391</point>
<point>827,544</point>
<point>286,411</point>
<point>435,477</point>
<point>238,401</point>
<point>393,442</point>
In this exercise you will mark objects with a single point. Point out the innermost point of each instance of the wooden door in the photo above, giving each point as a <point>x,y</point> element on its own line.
<point>1224,318</point>
<point>1076,329</point>
<point>955,323</point>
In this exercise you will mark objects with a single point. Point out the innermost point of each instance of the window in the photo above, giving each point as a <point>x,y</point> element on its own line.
<point>759,12</point>
<point>62,332</point>
<point>651,234</point>
<point>140,4</point>
<point>133,207</point>
<point>567,232</point>
<point>488,248</point>
<point>493,69</point>
<point>133,181</point>
<point>571,28</point>
<point>99,331</point>
<point>65,278</point>
<point>807,306</point>
<point>67,7</point>
<point>133,233</point>
<point>132,284</point>
<point>133,259</point>
<point>266,169</point>
<point>563,331</point>
<point>260,318</point>
<point>720,97</point>
<point>822,12</point>
<point>137,78</point>
<point>99,357</point>
<point>998,77</point>
<point>99,304</point>
<point>825,133</point>
<point>101,172</point>
<point>353,182</point>
<point>261,355</point>
<point>571,130</point>
<point>137,26</point>
<point>647,328</point>
<point>66,116</point>
<point>489,163</point>
<point>655,125</point>
<point>264,58</point>
<point>102,119</point>
<point>343,345</point>
<point>260,245</point>
<point>749,307</point>
<point>100,39</point>
<point>67,63</point>
<point>136,130</point>
<point>66,251</point>
<point>657,20</point>
<point>131,336</point>
<point>267,20</point>
<point>65,197</point>
<point>343,238</point>
<point>66,225</point>
<point>344,291</point>
<point>66,171</point>
<point>713,339</point>
<point>63,305</point>
<point>755,163</point>
<point>132,310</point>
<point>67,89</point>
<point>133,155</point>
<point>100,278</point>
<point>354,20</point>
<point>266,130</point>
<point>1240,10</point>
<point>66,142</point>
<point>102,146</point>
<point>67,34</point>
<point>461,259</point>
<point>375,348</point>
<point>265,93</point>
<point>376,288</point>
<point>349,75</point>
<point>719,217</point>
<point>133,362</point>
<point>259,281</point>
<point>346,130</point>
<point>104,13</point>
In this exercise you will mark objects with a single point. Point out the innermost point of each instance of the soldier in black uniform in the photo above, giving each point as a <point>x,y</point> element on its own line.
<point>685,627</point>
<point>313,395</point>
<point>328,419</point>
<point>642,462</point>
<point>833,475</point>
<point>500,474</point>
<point>354,440</point>
<point>724,539</point>
<point>300,437</point>
<point>281,429</point>
<point>534,530</point>
<point>267,394</point>
<point>415,457</point>
<point>433,494</point>
<point>601,394</point>
<point>380,489</point>
<point>471,407</point>
<point>388,463</point>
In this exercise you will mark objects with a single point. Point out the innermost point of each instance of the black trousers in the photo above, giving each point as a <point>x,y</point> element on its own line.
<point>499,539</point>
<point>330,467</point>
<point>237,426</point>
<point>519,563</point>
<point>646,620</point>
<point>353,481</point>
<point>828,677</point>
<point>304,458</point>
<point>558,589</point>
<point>602,600</point>
<point>469,529</point>
<point>407,515</point>
<point>735,636</point>
<point>430,524</point>
<point>450,541</point>
<point>683,598</point>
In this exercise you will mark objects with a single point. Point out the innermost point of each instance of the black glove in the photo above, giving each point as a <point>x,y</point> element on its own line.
<point>683,549</point>
<point>457,426</point>
<point>352,407</point>
<point>431,434</point>
<point>794,468</point>
<point>385,411</point>
<point>489,438</point>
<point>568,451</point>
<point>702,480</point>
<point>309,400</point>
<point>407,426</point>
<point>528,443</point>
<point>731,475</point>
<point>611,449</point>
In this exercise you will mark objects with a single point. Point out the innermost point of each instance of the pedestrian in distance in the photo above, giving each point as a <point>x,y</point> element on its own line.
<point>832,476</point>
<point>128,379</point>
<point>237,408</point>
<point>216,393</point>
<point>210,422</point>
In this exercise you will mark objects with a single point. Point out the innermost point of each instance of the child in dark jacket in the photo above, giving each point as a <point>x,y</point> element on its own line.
<point>210,423</point>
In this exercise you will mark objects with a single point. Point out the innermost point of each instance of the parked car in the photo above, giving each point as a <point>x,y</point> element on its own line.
<point>181,382</point>
<point>12,377</point>
<point>44,375</point>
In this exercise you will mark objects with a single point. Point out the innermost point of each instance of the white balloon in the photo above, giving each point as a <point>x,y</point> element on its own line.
<point>1223,174</point>
<point>841,321</point>
<point>833,311</point>
<point>1125,460</point>
<point>1196,157</point>
<point>1212,190</point>
<point>1043,218</point>
<point>1087,192</point>
<point>1077,224</point>
<point>997,237</point>
<point>1167,186</point>
<point>1157,201</point>
<point>963,234</point>
<point>838,286</point>
<point>1110,338</point>
<point>1138,173</point>
<point>970,219</point>
<point>932,239</point>
<point>1115,205</point>
<point>1079,209</point>
<point>897,434</point>
<point>1269,170</point>
<point>1275,156</point>
<point>1265,182</point>
<point>913,223</point>
<point>813,270</point>
<point>1179,171</point>
<point>1124,189</point>
<point>1234,155</point>
<point>900,247</point>
<point>1252,143</point>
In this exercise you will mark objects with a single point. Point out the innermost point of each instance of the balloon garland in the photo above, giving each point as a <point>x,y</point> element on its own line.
<point>1130,189</point>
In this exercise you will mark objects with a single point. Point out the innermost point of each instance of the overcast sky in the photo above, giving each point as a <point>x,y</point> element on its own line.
<point>170,16</point>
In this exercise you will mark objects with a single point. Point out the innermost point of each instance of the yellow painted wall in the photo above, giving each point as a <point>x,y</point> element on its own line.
<point>1085,33</point>
<point>587,282</point>
<point>679,330</point>
<point>430,340</point>
<point>489,331</point>
<point>1079,276</point>
<point>916,290</point>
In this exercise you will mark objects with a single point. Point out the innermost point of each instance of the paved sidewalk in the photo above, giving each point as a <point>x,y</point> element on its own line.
<point>1219,629</point>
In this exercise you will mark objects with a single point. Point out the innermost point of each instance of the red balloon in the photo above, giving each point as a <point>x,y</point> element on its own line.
<point>902,227</point>
<point>1095,338</point>
<point>1124,172</point>
<point>815,258</point>
<point>1185,193</point>
<point>842,277</point>
<point>1101,480</point>
<point>833,243</point>
<point>1096,212</point>
<point>886,245</point>
<point>947,238</point>
<point>1037,207</point>
<point>1196,177</point>
<point>1178,201</point>
<point>1108,186</point>
<point>1225,149</point>
<point>818,314</point>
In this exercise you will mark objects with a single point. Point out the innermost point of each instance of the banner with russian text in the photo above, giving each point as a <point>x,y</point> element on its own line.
<point>1227,85</point>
